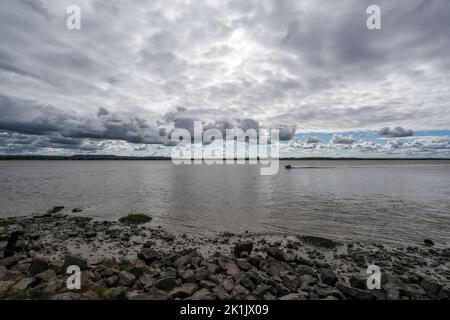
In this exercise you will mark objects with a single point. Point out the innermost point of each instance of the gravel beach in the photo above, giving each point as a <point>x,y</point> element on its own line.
<point>142,262</point>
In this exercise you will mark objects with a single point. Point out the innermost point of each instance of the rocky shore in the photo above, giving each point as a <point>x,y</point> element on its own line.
<point>134,261</point>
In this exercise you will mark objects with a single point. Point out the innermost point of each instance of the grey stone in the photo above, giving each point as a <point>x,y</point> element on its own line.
<point>294,296</point>
<point>73,260</point>
<point>12,276</point>
<point>291,282</point>
<point>241,247</point>
<point>186,290</point>
<point>38,265</point>
<point>328,276</point>
<point>201,273</point>
<point>275,253</point>
<point>167,283</point>
<point>46,276</point>
<point>5,286</point>
<point>228,284</point>
<point>353,293</point>
<point>67,296</point>
<point>243,265</point>
<point>261,290</point>
<point>431,287</point>
<point>359,281</point>
<point>116,293</point>
<point>188,276</point>
<point>148,255</point>
<point>126,278</point>
<point>203,294</point>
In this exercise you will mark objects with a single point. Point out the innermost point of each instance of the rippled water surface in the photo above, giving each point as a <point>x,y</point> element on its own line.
<point>393,201</point>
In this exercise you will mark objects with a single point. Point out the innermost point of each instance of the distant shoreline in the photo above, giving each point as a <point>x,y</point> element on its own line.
<point>112,157</point>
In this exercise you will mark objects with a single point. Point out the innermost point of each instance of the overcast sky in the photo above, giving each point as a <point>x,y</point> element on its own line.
<point>137,69</point>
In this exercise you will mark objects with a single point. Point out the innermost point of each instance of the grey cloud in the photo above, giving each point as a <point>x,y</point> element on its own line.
<point>286,132</point>
<point>30,117</point>
<point>396,132</point>
<point>312,139</point>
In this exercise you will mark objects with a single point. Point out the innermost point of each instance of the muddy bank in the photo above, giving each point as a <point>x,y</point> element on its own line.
<point>136,261</point>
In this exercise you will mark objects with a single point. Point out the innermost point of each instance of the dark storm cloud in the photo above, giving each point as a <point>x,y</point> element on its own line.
<point>29,117</point>
<point>286,133</point>
<point>396,132</point>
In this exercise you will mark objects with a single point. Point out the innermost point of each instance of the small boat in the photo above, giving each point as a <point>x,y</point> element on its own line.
<point>288,166</point>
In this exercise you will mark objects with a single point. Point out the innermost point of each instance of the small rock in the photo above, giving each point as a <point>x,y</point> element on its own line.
<point>243,265</point>
<point>188,276</point>
<point>203,294</point>
<point>328,276</point>
<point>5,286</point>
<point>275,253</point>
<point>291,282</point>
<point>46,276</point>
<point>148,255</point>
<point>55,209</point>
<point>167,283</point>
<point>228,284</point>
<point>126,278</point>
<point>428,242</point>
<point>116,293</point>
<point>3,270</point>
<point>22,285</point>
<point>355,294</point>
<point>9,262</point>
<point>294,296</point>
<point>186,290</point>
<point>207,284</point>
<point>67,296</point>
<point>261,290</point>
<point>72,260</point>
<point>201,274</point>
<point>359,281</point>
<point>57,266</point>
<point>89,295</point>
<point>54,286</point>
<point>91,234</point>
<point>241,247</point>
<point>38,265</point>
<point>112,280</point>
<point>139,296</point>
<point>431,287</point>
<point>239,292</point>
